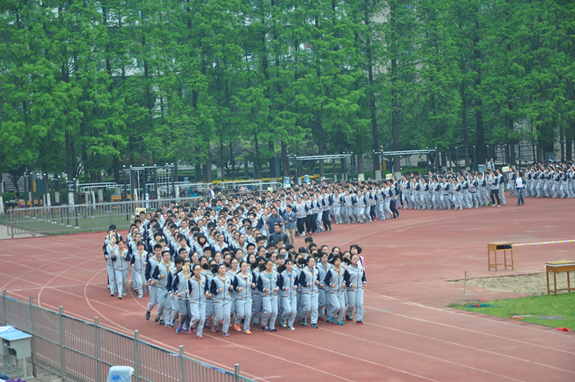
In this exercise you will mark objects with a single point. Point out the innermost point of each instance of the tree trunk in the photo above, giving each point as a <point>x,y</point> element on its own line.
<point>285,159</point>
<point>272,159</point>
<point>394,114</point>
<point>481,156</point>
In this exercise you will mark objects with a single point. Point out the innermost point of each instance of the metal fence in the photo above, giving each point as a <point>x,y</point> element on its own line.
<point>81,218</point>
<point>77,350</point>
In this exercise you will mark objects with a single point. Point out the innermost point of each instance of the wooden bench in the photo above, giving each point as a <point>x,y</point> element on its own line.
<point>498,247</point>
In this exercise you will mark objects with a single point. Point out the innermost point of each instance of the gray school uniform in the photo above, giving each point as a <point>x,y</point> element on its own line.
<point>354,279</point>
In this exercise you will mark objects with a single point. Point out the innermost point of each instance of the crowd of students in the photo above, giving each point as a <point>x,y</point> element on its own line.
<point>213,267</point>
<point>232,261</point>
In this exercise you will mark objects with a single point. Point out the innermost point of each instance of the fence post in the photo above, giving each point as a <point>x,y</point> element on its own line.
<point>62,343</point>
<point>4,306</point>
<point>236,372</point>
<point>96,350</point>
<point>31,301</point>
<point>181,363</point>
<point>136,358</point>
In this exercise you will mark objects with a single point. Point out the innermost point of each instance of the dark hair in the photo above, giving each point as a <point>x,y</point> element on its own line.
<point>263,265</point>
<point>196,265</point>
<point>178,260</point>
<point>282,267</point>
<point>356,247</point>
<point>334,258</point>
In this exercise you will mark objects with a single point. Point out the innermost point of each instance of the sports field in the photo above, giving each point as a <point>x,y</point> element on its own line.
<point>409,334</point>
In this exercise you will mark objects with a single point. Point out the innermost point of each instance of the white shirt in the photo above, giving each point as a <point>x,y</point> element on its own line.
<point>519,182</point>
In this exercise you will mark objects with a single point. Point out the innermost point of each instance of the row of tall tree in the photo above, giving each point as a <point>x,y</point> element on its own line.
<point>88,86</point>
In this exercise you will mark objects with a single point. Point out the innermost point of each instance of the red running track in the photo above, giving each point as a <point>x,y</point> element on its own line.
<point>408,334</point>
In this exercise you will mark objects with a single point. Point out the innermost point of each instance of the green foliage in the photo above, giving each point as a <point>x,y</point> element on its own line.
<point>89,86</point>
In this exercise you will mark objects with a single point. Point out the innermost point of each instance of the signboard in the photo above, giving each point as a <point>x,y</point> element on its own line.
<point>388,176</point>
<point>505,169</point>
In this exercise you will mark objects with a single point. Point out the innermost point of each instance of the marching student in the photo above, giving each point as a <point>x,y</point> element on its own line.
<point>243,284</point>
<point>179,290</point>
<point>287,283</point>
<point>267,285</point>
<point>309,282</point>
<point>354,277</point>
<point>121,268</point>
<point>151,265</point>
<point>323,299</point>
<point>110,254</point>
<point>138,262</point>
<point>198,292</point>
<point>221,288</point>
<point>334,279</point>
<point>160,275</point>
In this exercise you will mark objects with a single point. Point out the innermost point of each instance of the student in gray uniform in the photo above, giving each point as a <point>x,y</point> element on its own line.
<point>160,275</point>
<point>221,288</point>
<point>287,283</point>
<point>334,280</point>
<point>323,299</point>
<point>309,282</point>
<point>355,281</point>
<point>151,265</point>
<point>138,261</point>
<point>121,268</point>
<point>267,285</point>
<point>243,284</point>
<point>111,252</point>
<point>180,293</point>
<point>198,292</point>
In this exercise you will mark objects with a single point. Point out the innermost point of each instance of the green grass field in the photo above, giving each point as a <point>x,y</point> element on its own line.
<point>547,305</point>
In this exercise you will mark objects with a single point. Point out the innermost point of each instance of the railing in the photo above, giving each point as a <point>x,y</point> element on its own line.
<point>76,350</point>
<point>81,218</point>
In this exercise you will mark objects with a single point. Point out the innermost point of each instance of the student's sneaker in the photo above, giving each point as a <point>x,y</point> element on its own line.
<point>108,286</point>
<point>147,316</point>
<point>172,324</point>
<point>179,329</point>
<point>303,323</point>
<point>264,327</point>
<point>340,323</point>
<point>321,319</point>
<point>111,294</point>
<point>214,329</point>
<point>120,297</point>
<point>273,330</point>
<point>157,319</point>
<point>162,322</point>
<point>237,328</point>
<point>291,328</point>
<point>200,337</point>
<point>359,322</point>
<point>284,324</point>
<point>225,335</point>
<point>331,320</point>
<point>314,326</point>
<point>347,318</point>
<point>248,332</point>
